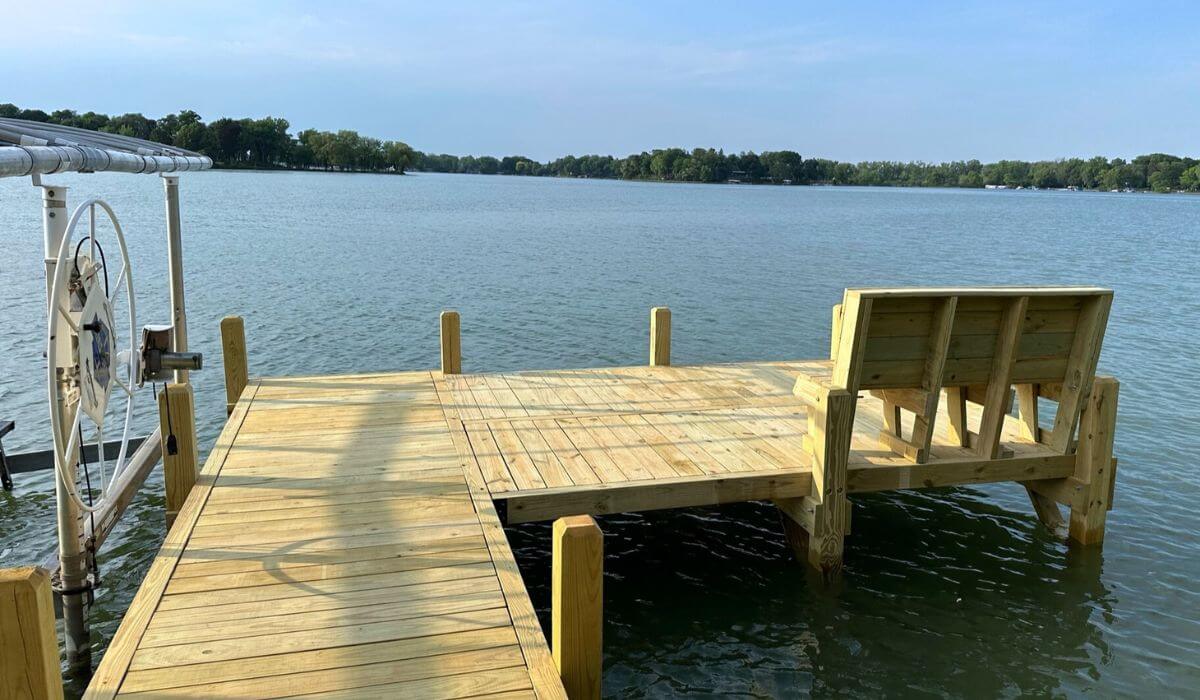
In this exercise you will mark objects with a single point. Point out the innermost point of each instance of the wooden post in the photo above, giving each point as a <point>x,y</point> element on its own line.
<point>1094,462</point>
<point>233,347</point>
<point>660,337</point>
<point>816,525</point>
<point>577,595</point>
<point>451,343</point>
<point>178,426</point>
<point>28,641</point>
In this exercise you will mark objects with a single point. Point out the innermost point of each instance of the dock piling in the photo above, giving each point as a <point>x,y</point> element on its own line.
<point>451,343</point>
<point>660,336</point>
<point>28,641</point>
<point>233,347</point>
<point>577,604</point>
<point>176,416</point>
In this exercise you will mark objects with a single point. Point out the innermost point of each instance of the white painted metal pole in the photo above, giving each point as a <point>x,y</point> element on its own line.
<point>71,552</point>
<point>175,259</point>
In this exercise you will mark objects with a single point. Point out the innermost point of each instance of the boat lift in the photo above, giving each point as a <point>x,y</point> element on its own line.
<point>92,356</point>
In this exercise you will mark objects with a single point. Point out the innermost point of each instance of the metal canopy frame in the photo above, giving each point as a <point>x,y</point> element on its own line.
<point>32,149</point>
<point>37,148</point>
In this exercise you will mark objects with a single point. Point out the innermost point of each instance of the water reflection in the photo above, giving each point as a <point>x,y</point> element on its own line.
<point>942,590</point>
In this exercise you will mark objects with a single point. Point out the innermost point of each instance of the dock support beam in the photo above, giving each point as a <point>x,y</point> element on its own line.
<point>1094,462</point>
<point>660,336</point>
<point>451,343</point>
<point>28,641</point>
<point>816,525</point>
<point>577,594</point>
<point>233,347</point>
<point>177,422</point>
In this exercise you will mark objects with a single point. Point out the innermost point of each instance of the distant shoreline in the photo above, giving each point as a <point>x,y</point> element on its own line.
<point>269,144</point>
<point>1001,188</point>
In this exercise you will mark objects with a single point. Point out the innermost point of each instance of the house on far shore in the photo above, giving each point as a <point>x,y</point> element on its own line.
<point>737,177</point>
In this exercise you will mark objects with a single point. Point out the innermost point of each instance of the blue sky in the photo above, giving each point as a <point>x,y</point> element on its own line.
<point>906,81</point>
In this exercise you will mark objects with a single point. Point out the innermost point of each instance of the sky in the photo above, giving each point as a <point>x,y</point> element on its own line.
<point>851,81</point>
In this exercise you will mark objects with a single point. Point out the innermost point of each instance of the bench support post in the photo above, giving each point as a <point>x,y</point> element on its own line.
<point>577,600</point>
<point>233,350</point>
<point>816,525</point>
<point>28,641</point>
<point>1094,463</point>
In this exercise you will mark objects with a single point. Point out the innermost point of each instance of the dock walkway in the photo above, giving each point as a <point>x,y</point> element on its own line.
<point>343,538</point>
<point>333,547</point>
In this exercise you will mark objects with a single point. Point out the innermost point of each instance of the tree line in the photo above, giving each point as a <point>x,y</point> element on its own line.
<point>1158,172</point>
<point>268,143</point>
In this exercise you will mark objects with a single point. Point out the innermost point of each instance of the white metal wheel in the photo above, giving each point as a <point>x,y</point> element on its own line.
<point>83,364</point>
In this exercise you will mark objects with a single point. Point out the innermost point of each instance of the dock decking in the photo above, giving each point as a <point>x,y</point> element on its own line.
<point>333,547</point>
<point>567,442</point>
<point>343,538</point>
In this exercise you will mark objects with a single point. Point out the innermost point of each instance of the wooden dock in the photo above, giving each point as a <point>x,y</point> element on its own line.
<point>345,536</point>
<point>332,546</point>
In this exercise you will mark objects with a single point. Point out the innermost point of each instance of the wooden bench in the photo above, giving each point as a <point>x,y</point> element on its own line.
<point>911,347</point>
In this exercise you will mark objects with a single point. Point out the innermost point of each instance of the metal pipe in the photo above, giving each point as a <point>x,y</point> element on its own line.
<point>125,487</point>
<point>19,161</point>
<point>71,552</point>
<point>43,460</point>
<point>175,260</point>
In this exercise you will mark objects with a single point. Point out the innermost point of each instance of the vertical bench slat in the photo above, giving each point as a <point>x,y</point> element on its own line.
<point>991,424</point>
<point>1081,369</point>
<point>935,363</point>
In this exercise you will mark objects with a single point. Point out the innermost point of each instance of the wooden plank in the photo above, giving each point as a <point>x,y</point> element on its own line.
<point>931,380</point>
<point>393,606</point>
<point>535,448</point>
<point>28,640</point>
<point>459,685</point>
<point>327,594</point>
<point>568,456</point>
<point>319,552</point>
<point>525,472</point>
<point>588,445</point>
<point>944,472</point>
<point>258,678</point>
<point>489,458</point>
<point>965,347</point>
<point>1027,411</point>
<point>117,658</point>
<point>577,602</point>
<point>312,639</point>
<point>269,584</point>
<point>362,675</point>
<point>1000,379</point>
<point>680,492</point>
<point>1080,371</point>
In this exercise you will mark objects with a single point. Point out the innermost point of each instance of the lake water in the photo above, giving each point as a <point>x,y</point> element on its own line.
<point>951,591</point>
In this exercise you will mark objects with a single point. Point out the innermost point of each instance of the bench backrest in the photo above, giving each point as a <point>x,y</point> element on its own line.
<point>990,338</point>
